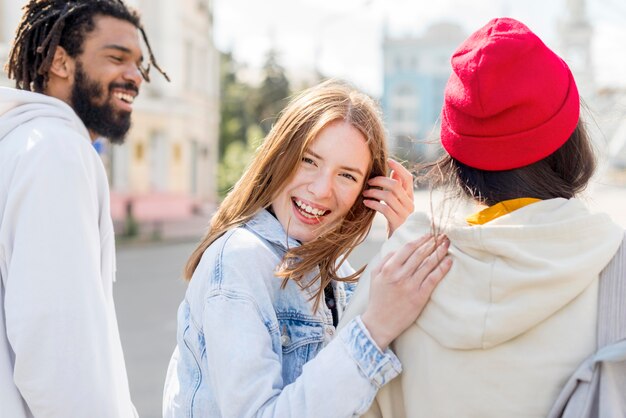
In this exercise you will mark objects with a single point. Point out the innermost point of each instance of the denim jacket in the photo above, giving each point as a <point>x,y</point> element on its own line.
<point>247,348</point>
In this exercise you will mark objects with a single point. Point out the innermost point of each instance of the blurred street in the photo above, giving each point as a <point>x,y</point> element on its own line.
<point>147,293</point>
<point>149,289</point>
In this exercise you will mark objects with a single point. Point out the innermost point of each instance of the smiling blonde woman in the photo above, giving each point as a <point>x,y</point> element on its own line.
<point>268,284</point>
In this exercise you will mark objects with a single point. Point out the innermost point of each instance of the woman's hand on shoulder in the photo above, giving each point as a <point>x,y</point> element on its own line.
<point>392,196</point>
<point>401,286</point>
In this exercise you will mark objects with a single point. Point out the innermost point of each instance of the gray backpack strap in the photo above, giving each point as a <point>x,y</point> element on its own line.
<point>612,300</point>
<point>597,389</point>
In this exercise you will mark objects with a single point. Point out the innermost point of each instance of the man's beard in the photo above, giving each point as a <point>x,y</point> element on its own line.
<point>102,119</point>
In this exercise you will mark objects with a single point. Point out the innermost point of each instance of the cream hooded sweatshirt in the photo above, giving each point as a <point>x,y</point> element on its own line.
<point>60,351</point>
<point>510,322</point>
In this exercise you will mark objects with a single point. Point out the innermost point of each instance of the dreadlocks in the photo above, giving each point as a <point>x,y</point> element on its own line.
<point>47,24</point>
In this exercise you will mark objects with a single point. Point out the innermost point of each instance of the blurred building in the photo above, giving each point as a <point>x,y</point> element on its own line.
<point>575,35</point>
<point>606,115</point>
<point>607,124</point>
<point>166,170</point>
<point>415,73</point>
<point>8,22</point>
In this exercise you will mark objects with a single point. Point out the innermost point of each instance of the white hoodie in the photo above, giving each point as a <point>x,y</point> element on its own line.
<point>510,322</point>
<point>60,351</point>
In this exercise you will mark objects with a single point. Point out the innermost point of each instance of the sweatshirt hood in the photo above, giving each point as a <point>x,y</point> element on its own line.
<point>19,106</point>
<point>515,271</point>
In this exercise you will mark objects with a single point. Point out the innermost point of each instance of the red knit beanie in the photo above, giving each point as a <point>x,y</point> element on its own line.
<point>510,100</point>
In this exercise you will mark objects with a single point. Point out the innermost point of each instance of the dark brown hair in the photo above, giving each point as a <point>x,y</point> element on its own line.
<point>564,173</point>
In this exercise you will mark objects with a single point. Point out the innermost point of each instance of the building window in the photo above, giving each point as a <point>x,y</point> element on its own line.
<point>139,152</point>
<point>404,90</point>
<point>398,64</point>
<point>177,153</point>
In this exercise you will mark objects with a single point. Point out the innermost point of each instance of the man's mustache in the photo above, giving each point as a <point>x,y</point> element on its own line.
<point>124,86</point>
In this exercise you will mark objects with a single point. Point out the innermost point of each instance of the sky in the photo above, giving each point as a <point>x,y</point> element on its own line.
<point>343,38</point>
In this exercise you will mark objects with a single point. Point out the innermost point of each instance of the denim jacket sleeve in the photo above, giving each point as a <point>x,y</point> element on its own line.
<point>245,369</point>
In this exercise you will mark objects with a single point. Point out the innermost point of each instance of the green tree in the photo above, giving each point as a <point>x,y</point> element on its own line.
<point>246,115</point>
<point>273,93</point>
<point>236,112</point>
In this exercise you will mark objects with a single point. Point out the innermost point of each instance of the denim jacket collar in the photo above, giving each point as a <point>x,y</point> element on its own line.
<point>265,225</point>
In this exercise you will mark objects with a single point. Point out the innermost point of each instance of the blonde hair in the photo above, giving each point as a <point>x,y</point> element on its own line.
<point>277,160</point>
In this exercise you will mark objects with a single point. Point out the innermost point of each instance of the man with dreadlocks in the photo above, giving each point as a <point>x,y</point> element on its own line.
<point>77,66</point>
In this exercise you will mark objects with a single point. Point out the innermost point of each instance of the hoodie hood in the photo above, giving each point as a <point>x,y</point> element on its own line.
<point>514,272</point>
<point>19,106</point>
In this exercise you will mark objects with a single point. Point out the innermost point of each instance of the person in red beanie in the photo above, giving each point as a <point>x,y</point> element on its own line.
<point>517,312</point>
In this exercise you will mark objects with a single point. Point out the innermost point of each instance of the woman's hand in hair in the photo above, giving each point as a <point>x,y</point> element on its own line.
<point>401,286</point>
<point>392,196</point>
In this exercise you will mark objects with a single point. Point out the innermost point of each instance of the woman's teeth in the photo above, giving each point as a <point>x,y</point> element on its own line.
<point>308,211</point>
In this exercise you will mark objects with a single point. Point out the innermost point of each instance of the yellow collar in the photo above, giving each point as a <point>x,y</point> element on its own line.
<point>499,209</point>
